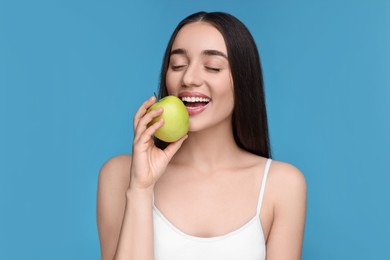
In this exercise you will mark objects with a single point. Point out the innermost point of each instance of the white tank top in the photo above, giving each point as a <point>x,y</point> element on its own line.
<point>244,243</point>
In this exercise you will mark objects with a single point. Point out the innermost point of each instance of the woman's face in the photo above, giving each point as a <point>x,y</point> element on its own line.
<point>199,73</point>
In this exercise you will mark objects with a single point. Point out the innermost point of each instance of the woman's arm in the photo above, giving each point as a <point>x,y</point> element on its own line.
<point>124,216</point>
<point>136,236</point>
<point>114,179</point>
<point>289,197</point>
<point>125,192</point>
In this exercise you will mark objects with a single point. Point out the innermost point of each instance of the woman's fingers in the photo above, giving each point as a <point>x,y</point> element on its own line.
<point>172,148</point>
<point>145,120</point>
<point>142,110</point>
<point>149,132</point>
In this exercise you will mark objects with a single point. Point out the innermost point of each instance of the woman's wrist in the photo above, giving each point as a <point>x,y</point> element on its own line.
<point>139,193</point>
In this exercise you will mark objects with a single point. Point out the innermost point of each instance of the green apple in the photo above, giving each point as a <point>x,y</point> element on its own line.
<point>176,119</point>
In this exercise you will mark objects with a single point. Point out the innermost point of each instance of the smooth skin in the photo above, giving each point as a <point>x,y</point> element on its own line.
<point>201,181</point>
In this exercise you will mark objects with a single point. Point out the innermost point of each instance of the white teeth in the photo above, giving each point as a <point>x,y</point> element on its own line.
<point>195,99</point>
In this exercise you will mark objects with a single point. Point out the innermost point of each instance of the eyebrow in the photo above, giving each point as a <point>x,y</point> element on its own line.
<point>205,52</point>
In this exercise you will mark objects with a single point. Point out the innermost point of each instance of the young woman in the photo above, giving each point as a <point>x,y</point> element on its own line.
<point>215,193</point>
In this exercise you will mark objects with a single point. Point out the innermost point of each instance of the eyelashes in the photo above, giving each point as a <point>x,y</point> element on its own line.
<point>178,67</point>
<point>213,69</point>
<point>182,67</point>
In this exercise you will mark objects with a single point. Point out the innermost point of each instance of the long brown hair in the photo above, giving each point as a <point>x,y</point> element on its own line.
<point>249,119</point>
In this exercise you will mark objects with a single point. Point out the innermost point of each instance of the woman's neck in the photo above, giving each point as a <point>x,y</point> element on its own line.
<point>209,149</point>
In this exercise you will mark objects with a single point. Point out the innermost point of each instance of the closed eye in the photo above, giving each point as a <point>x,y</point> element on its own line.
<point>212,69</point>
<point>178,67</point>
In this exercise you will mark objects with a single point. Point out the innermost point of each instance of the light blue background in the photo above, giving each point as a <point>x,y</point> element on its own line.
<point>72,74</point>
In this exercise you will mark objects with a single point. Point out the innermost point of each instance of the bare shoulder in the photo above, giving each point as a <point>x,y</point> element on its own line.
<point>287,182</point>
<point>116,170</point>
<point>288,195</point>
<point>286,174</point>
<point>114,178</point>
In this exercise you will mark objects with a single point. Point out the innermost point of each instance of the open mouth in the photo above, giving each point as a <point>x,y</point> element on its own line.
<point>195,101</point>
<point>195,105</point>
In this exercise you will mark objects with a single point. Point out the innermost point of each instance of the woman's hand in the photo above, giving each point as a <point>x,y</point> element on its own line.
<point>149,162</point>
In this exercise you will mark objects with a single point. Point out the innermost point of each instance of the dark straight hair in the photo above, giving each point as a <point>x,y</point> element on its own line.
<point>249,119</point>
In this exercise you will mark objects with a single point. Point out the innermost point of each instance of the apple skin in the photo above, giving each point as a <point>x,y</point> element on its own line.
<point>176,119</point>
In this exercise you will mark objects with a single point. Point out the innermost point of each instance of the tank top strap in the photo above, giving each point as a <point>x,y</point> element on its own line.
<point>263,183</point>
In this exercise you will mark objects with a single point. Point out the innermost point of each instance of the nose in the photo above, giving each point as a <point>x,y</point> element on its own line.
<point>192,76</point>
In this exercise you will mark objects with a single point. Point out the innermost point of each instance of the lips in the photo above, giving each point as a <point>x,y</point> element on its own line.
<point>195,102</point>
